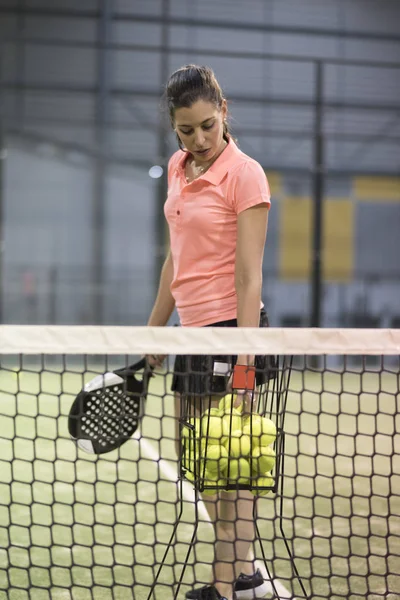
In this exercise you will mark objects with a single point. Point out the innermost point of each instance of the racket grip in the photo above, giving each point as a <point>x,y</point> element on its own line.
<point>138,366</point>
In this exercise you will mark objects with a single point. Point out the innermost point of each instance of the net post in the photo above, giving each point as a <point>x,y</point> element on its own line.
<point>99,197</point>
<point>3,156</point>
<point>318,196</point>
<point>161,232</point>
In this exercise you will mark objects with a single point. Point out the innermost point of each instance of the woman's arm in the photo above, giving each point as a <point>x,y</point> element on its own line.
<point>163,306</point>
<point>165,303</point>
<point>251,236</point>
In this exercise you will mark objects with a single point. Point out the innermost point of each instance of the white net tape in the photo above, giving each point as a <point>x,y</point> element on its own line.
<point>21,339</point>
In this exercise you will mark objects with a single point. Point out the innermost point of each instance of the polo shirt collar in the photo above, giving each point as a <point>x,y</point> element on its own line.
<point>220,167</point>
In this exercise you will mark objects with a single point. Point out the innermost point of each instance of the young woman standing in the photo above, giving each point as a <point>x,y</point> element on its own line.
<point>217,213</point>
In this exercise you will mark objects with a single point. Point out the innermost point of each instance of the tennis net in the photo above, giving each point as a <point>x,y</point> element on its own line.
<point>114,514</point>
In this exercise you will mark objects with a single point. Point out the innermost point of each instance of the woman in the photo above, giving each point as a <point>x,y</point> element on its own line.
<point>217,213</point>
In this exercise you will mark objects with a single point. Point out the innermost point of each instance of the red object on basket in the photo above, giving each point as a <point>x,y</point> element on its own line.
<point>244,377</point>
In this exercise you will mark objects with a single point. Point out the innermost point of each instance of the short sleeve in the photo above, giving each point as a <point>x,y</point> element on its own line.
<point>250,187</point>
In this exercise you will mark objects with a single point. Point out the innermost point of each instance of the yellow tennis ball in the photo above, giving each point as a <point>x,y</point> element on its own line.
<point>221,483</point>
<point>238,447</point>
<point>232,425</point>
<point>262,482</point>
<point>262,460</point>
<point>216,458</point>
<point>238,471</point>
<point>189,461</point>
<point>211,427</point>
<point>205,473</point>
<point>209,479</point>
<point>267,436</point>
<point>209,492</point>
<point>268,429</point>
<point>252,425</point>
<point>187,432</point>
<point>189,476</point>
<point>214,412</point>
<point>191,447</point>
<point>227,405</point>
<point>225,483</point>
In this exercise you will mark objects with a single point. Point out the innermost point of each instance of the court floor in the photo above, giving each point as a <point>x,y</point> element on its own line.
<point>76,526</point>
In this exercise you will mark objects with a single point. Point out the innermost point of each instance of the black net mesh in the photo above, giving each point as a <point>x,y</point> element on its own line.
<point>131,524</point>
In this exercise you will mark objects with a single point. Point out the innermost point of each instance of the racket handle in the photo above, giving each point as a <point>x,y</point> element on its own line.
<point>138,366</point>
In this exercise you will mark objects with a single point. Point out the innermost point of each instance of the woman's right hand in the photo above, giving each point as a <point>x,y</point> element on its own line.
<point>155,360</point>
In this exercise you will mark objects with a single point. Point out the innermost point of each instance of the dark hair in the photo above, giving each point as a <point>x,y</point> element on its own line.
<point>189,84</point>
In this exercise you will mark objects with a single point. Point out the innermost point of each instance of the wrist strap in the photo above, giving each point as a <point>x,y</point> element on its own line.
<point>244,377</point>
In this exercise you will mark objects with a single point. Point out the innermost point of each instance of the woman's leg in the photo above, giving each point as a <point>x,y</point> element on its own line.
<point>235,536</point>
<point>229,516</point>
<point>177,407</point>
<point>213,507</point>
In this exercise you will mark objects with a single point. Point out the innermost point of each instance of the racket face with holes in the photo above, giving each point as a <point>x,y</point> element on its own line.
<point>106,413</point>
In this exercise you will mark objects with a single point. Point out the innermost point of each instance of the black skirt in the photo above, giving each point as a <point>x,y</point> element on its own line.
<point>199,375</point>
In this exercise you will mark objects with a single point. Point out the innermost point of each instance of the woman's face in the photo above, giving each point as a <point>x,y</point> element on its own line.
<point>201,129</point>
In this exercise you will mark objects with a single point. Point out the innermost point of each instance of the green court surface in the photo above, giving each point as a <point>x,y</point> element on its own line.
<point>81,527</point>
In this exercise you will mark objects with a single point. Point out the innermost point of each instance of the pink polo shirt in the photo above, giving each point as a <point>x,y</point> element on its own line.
<point>202,219</point>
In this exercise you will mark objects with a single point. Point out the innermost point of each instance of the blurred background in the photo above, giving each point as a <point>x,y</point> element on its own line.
<point>314,96</point>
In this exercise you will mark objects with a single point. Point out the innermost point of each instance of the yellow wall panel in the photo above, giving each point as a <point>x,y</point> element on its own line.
<point>376,189</point>
<point>338,239</point>
<point>275,181</point>
<point>295,238</point>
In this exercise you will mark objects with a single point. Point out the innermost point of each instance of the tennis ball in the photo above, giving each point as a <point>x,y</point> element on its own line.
<point>226,405</point>
<point>208,479</point>
<point>191,447</point>
<point>212,412</point>
<point>238,471</point>
<point>206,474</point>
<point>211,426</point>
<point>189,461</point>
<point>189,476</point>
<point>224,483</point>
<point>221,483</point>
<point>187,432</point>
<point>252,425</point>
<point>262,482</point>
<point>216,458</point>
<point>238,447</point>
<point>262,460</point>
<point>268,429</point>
<point>232,425</point>
<point>267,436</point>
<point>210,492</point>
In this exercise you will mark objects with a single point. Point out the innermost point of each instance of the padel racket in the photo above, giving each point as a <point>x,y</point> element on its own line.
<point>107,412</point>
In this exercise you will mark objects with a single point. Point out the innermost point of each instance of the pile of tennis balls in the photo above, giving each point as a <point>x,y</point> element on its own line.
<point>232,447</point>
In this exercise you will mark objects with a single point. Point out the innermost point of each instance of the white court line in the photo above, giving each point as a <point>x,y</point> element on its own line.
<point>170,473</point>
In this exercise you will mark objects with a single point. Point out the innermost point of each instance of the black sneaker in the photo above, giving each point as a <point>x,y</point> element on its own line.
<point>249,587</point>
<point>208,592</point>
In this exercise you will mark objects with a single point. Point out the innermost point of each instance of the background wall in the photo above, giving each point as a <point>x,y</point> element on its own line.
<point>82,223</point>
